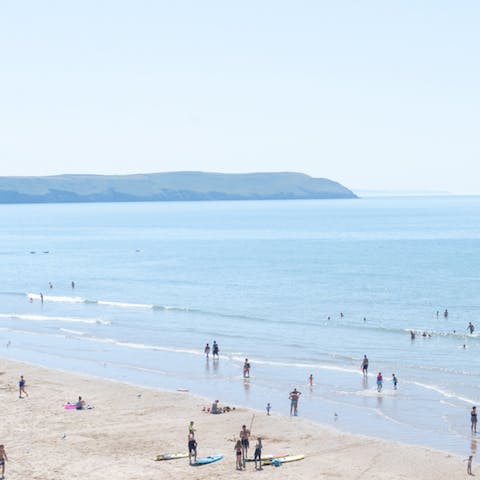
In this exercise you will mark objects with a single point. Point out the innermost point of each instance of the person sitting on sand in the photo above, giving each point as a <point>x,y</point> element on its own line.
<point>192,447</point>
<point>257,456</point>
<point>3,459</point>
<point>215,408</point>
<point>21,387</point>
<point>80,405</point>
<point>238,455</point>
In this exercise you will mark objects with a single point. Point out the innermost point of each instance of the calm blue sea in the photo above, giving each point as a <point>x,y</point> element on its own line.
<point>267,280</point>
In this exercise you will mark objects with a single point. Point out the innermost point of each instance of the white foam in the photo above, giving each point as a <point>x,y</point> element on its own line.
<point>124,304</point>
<point>52,298</point>
<point>44,318</point>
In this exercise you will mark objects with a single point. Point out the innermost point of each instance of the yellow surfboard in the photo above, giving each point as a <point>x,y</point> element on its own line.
<point>286,459</point>
<point>170,456</point>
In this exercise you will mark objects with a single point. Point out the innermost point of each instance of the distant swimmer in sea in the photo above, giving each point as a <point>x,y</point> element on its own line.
<point>395,381</point>
<point>215,349</point>
<point>412,334</point>
<point>310,380</point>
<point>73,284</point>
<point>470,327</point>
<point>206,350</point>
<point>341,314</point>
<point>438,313</point>
<point>246,369</point>
<point>294,396</point>
<point>41,297</point>
<point>445,313</point>
<point>364,366</point>
<point>379,382</point>
<point>473,420</point>
<point>364,319</point>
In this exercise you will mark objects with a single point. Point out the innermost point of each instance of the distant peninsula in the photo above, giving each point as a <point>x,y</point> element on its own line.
<point>170,186</point>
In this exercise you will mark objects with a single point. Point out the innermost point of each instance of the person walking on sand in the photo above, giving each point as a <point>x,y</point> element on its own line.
<point>192,448</point>
<point>379,382</point>
<point>244,437</point>
<point>395,381</point>
<point>238,455</point>
<point>257,456</point>
<point>364,366</point>
<point>469,465</point>
<point>206,350</point>
<point>473,420</point>
<point>246,369</point>
<point>21,387</point>
<point>3,459</point>
<point>294,396</point>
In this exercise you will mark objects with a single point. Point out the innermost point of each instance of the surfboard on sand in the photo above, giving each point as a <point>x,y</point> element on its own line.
<point>170,456</point>
<point>207,460</point>
<point>288,458</point>
<point>268,457</point>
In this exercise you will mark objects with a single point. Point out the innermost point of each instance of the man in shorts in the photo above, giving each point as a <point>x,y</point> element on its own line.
<point>365,366</point>
<point>192,447</point>
<point>3,459</point>
<point>244,437</point>
<point>294,396</point>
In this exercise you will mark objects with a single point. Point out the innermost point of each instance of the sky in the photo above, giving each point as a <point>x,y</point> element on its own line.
<point>378,95</point>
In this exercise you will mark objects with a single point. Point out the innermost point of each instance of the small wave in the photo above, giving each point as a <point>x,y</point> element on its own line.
<point>44,318</point>
<point>444,393</point>
<point>124,304</point>
<point>52,298</point>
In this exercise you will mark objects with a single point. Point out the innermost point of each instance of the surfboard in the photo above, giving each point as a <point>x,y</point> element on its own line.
<point>170,456</point>
<point>288,458</point>
<point>207,460</point>
<point>267,457</point>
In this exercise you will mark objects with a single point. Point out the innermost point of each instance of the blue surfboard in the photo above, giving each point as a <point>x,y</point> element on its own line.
<point>207,460</point>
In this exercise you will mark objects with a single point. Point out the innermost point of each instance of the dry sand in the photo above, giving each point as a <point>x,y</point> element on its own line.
<point>130,425</point>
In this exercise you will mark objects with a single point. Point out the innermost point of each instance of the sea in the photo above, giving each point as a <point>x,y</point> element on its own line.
<point>300,288</point>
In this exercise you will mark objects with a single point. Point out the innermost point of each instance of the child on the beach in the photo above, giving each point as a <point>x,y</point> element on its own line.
<point>257,456</point>
<point>3,459</point>
<point>238,455</point>
<point>21,387</point>
<point>379,382</point>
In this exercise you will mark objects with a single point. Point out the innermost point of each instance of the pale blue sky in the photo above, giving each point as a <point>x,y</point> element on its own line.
<point>374,94</point>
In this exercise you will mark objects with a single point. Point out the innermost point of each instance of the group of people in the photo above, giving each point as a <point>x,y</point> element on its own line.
<point>364,368</point>
<point>215,350</point>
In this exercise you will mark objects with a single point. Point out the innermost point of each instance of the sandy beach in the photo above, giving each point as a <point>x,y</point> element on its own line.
<point>130,425</point>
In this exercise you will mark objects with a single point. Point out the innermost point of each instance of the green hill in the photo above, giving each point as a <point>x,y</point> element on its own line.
<point>171,186</point>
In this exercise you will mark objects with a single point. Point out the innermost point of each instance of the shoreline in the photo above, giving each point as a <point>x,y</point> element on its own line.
<point>130,425</point>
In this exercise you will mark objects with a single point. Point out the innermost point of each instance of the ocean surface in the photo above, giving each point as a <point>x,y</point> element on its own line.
<point>154,282</point>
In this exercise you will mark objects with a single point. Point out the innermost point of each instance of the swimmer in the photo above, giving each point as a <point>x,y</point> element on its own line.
<point>473,420</point>
<point>412,335</point>
<point>294,396</point>
<point>310,380</point>
<point>215,349</point>
<point>246,369</point>
<point>470,327</point>
<point>206,350</point>
<point>395,381</point>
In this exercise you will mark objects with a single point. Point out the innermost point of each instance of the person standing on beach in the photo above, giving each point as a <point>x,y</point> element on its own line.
<point>192,447</point>
<point>469,465</point>
<point>21,387</point>
<point>268,408</point>
<point>238,455</point>
<point>246,369</point>
<point>379,382</point>
<point>257,456</point>
<point>395,381</point>
<point>215,350</point>
<point>206,350</point>
<point>244,437</point>
<point>473,420</point>
<point>364,366</point>
<point>3,459</point>
<point>294,396</point>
